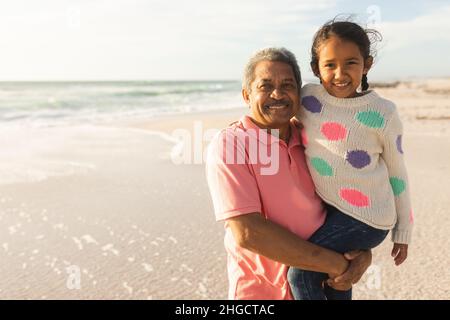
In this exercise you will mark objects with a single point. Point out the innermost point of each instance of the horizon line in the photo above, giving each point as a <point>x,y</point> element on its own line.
<point>196,80</point>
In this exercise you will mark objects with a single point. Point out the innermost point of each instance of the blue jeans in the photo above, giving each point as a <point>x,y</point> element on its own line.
<point>340,233</point>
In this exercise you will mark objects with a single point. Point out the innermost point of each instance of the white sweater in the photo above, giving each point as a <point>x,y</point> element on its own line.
<point>354,153</point>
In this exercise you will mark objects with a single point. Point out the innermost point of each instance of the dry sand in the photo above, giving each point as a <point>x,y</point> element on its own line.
<point>137,226</point>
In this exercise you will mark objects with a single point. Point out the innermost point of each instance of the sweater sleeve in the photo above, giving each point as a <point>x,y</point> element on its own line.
<point>393,157</point>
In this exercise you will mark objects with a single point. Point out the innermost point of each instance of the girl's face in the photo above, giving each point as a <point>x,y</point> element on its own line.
<point>341,67</point>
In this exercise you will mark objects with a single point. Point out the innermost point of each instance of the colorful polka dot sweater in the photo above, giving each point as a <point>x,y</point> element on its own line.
<point>354,153</point>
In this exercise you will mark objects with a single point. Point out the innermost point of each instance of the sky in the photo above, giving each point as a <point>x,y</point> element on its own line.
<point>206,39</point>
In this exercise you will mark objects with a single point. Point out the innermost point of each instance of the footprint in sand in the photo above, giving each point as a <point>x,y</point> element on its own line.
<point>110,248</point>
<point>173,240</point>
<point>145,234</point>
<point>147,267</point>
<point>201,288</point>
<point>128,288</point>
<point>185,267</point>
<point>187,282</point>
<point>13,229</point>
<point>60,226</point>
<point>78,243</point>
<point>89,239</point>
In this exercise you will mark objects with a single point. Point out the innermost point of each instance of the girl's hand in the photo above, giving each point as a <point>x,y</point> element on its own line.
<point>399,253</point>
<point>297,123</point>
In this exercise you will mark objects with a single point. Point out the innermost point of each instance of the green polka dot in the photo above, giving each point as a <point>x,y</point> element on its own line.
<point>372,119</point>
<point>398,185</point>
<point>322,167</point>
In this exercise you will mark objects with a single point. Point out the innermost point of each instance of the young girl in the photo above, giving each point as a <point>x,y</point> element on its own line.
<point>353,146</point>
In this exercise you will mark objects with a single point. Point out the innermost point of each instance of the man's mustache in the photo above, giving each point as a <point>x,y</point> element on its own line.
<point>279,102</point>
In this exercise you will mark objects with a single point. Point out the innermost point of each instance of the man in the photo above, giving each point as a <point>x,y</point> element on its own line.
<point>262,190</point>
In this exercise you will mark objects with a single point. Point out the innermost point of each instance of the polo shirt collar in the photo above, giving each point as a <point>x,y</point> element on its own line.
<point>262,135</point>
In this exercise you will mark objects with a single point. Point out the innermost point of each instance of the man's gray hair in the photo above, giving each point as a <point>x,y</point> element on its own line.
<point>270,54</point>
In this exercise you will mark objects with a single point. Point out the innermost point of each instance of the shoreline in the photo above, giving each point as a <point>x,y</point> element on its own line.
<point>213,119</point>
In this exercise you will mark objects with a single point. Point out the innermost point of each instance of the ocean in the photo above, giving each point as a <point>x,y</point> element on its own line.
<point>63,128</point>
<point>43,104</point>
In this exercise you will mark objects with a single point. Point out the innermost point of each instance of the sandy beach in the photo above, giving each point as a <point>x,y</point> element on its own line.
<point>115,210</point>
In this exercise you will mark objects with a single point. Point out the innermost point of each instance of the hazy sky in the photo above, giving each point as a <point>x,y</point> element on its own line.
<point>205,39</point>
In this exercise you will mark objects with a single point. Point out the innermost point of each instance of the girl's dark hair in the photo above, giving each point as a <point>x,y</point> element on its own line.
<point>349,31</point>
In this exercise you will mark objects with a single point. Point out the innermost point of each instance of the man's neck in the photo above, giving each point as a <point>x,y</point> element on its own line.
<point>285,134</point>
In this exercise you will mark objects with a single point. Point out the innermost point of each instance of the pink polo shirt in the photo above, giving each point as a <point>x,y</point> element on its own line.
<point>244,177</point>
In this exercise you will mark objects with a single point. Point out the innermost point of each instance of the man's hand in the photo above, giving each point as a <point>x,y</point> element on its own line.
<point>399,253</point>
<point>341,286</point>
<point>359,262</point>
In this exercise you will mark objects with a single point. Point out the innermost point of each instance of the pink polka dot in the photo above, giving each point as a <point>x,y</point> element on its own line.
<point>411,216</point>
<point>304,137</point>
<point>333,131</point>
<point>355,197</point>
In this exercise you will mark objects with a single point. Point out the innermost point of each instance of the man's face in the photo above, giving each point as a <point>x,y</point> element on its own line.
<point>274,96</point>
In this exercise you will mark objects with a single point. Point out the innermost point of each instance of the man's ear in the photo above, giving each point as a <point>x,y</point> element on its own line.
<point>246,96</point>
<point>368,64</point>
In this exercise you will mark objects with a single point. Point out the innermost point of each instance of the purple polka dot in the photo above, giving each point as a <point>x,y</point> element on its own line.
<point>399,144</point>
<point>358,158</point>
<point>312,104</point>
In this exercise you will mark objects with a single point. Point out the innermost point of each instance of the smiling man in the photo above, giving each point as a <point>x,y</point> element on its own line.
<point>270,215</point>
<point>273,95</point>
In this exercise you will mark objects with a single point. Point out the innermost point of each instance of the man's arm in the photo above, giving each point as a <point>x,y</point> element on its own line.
<point>255,233</point>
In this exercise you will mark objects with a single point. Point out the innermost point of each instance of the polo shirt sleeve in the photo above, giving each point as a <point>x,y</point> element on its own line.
<point>232,185</point>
